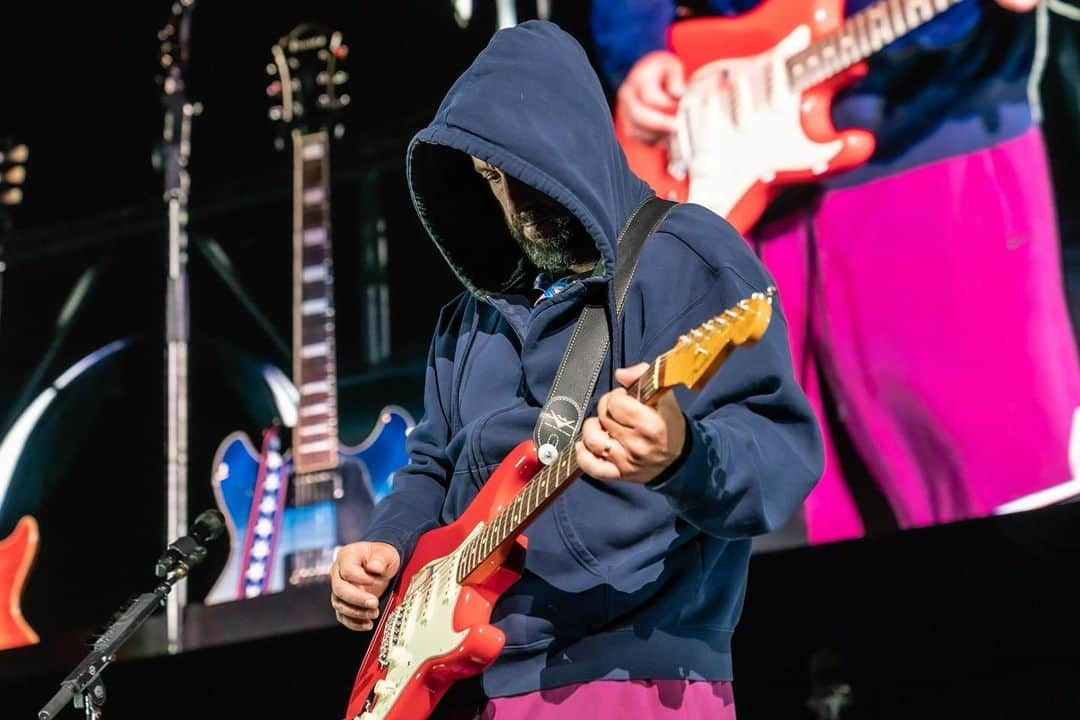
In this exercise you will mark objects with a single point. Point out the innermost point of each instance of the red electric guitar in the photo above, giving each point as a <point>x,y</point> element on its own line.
<point>435,628</point>
<point>16,556</point>
<point>756,112</point>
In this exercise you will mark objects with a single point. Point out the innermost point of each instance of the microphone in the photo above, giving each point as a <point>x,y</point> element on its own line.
<point>208,526</point>
<point>190,549</point>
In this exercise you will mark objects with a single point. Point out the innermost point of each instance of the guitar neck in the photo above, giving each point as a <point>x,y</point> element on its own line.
<point>542,489</point>
<point>315,437</point>
<point>863,34</point>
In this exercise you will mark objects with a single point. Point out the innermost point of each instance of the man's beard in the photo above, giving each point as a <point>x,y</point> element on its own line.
<point>553,242</point>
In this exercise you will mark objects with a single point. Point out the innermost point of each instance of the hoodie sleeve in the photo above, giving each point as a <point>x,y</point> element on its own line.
<point>753,447</point>
<point>414,504</point>
<point>624,30</point>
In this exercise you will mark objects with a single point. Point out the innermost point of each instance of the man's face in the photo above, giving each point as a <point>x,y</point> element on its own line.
<point>549,234</point>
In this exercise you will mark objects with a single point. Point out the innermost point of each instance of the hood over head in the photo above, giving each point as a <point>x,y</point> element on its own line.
<point>531,105</point>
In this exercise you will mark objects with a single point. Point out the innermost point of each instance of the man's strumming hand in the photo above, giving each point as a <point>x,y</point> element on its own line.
<point>358,577</point>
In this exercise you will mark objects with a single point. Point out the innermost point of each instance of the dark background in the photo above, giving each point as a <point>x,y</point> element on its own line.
<point>78,85</point>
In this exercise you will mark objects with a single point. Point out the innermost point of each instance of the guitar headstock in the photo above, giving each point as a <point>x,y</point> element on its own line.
<point>171,156</point>
<point>13,159</point>
<point>173,49</point>
<point>700,352</point>
<point>307,80</point>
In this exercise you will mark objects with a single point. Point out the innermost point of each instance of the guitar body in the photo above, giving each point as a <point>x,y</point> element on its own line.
<point>17,552</point>
<point>418,651</point>
<point>734,157</point>
<point>243,473</point>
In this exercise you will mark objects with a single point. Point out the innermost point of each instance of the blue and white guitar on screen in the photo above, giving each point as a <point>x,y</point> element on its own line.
<point>282,538</point>
<point>288,513</point>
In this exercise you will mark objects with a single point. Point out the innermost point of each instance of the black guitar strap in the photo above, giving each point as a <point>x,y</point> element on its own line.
<point>563,412</point>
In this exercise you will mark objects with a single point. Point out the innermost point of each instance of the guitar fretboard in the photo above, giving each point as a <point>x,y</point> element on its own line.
<point>861,35</point>
<point>541,490</point>
<point>315,437</point>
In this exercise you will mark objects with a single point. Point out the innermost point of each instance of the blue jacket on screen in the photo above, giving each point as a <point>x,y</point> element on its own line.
<point>957,84</point>
<point>621,580</point>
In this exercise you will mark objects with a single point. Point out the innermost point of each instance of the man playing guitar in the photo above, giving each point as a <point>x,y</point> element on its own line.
<point>952,418</point>
<point>634,577</point>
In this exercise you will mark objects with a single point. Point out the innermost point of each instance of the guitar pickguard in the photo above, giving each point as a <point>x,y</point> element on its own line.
<point>740,123</point>
<point>418,630</point>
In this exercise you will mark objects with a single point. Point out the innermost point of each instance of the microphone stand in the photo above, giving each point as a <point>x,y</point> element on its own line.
<point>85,685</point>
<point>173,160</point>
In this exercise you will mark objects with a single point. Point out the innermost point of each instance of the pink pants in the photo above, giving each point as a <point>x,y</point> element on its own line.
<point>637,699</point>
<point>932,302</point>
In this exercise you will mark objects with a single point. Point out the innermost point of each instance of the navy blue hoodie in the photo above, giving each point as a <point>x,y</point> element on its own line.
<point>621,580</point>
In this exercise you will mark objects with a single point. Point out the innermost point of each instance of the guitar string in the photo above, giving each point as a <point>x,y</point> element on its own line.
<point>643,389</point>
<point>569,474</point>
<point>572,471</point>
<point>644,385</point>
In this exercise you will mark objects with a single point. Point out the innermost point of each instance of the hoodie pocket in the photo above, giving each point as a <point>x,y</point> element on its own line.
<point>478,464</point>
<point>571,539</point>
<point>470,470</point>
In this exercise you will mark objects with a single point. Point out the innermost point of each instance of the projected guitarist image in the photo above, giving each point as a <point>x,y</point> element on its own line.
<point>575,277</point>
<point>915,121</point>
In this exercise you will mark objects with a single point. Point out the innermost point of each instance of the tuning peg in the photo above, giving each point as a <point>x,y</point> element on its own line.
<point>323,55</point>
<point>11,196</point>
<point>324,100</point>
<point>340,77</point>
<point>298,110</point>
<point>15,175</point>
<point>322,78</point>
<point>294,63</point>
<point>341,52</point>
<point>18,154</point>
<point>279,143</point>
<point>275,113</point>
<point>273,88</point>
<point>271,69</point>
<point>339,131</point>
<point>345,99</point>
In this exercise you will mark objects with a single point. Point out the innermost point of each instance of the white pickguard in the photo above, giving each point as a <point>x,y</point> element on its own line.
<point>421,628</point>
<point>739,122</point>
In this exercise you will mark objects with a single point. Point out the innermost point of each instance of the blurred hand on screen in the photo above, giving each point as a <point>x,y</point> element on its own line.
<point>649,97</point>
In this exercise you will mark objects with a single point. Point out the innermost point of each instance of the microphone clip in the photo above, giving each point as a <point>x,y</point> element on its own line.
<point>180,557</point>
